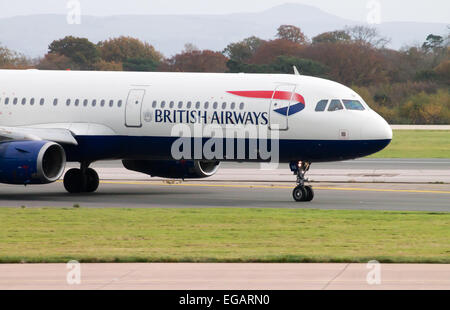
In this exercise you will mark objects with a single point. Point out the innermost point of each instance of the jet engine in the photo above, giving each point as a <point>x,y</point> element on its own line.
<point>31,162</point>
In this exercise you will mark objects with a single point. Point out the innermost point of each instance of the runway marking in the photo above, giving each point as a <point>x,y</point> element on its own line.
<point>275,187</point>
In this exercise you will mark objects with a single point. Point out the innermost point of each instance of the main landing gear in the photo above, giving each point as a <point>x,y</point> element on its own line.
<point>83,180</point>
<point>301,192</point>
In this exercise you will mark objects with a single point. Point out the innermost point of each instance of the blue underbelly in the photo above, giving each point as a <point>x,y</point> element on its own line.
<point>94,148</point>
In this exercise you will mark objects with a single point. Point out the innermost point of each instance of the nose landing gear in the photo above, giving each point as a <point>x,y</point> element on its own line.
<point>83,180</point>
<point>301,192</point>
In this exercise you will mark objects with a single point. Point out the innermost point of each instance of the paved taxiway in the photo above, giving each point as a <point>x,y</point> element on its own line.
<point>243,185</point>
<point>147,194</point>
<point>225,276</point>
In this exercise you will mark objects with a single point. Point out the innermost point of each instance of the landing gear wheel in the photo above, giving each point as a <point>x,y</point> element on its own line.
<point>299,193</point>
<point>92,180</point>
<point>73,181</point>
<point>309,193</point>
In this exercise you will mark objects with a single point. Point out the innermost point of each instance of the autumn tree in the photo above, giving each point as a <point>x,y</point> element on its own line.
<point>291,33</point>
<point>270,50</point>
<point>54,61</point>
<point>198,61</point>
<point>80,51</point>
<point>13,60</point>
<point>123,48</point>
<point>331,37</point>
<point>242,51</point>
<point>349,63</point>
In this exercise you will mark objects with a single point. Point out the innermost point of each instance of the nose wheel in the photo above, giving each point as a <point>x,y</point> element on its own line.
<point>301,192</point>
<point>83,180</point>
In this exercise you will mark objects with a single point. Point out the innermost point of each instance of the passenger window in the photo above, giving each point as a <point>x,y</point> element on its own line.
<point>171,104</point>
<point>55,102</point>
<point>102,103</point>
<point>111,103</point>
<point>42,101</point>
<point>353,105</point>
<point>77,102</point>
<point>335,105</point>
<point>206,105</point>
<point>32,101</point>
<point>24,101</point>
<point>119,104</point>
<point>215,105</point>
<point>241,106</point>
<point>197,105</point>
<point>189,105</point>
<point>180,104</point>
<point>163,104</point>
<point>321,105</point>
<point>85,102</point>
<point>68,102</point>
<point>6,100</point>
<point>233,105</point>
<point>94,103</point>
<point>154,103</point>
<point>15,101</point>
<point>224,106</point>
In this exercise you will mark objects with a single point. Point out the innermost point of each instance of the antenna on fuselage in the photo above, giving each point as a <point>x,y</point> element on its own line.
<point>296,72</point>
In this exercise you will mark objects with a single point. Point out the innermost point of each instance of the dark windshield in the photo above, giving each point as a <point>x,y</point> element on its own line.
<point>353,105</point>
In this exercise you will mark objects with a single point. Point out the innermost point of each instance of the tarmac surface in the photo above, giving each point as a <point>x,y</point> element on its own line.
<point>388,185</point>
<point>225,276</point>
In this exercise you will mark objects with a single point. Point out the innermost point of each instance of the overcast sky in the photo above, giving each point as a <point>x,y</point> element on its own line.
<point>391,10</point>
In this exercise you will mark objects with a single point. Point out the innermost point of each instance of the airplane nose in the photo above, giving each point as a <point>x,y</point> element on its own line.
<point>376,128</point>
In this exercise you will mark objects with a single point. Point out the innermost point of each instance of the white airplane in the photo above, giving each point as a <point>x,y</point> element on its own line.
<point>48,118</point>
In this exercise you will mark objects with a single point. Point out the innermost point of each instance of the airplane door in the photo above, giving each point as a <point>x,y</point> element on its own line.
<point>133,108</point>
<point>279,107</point>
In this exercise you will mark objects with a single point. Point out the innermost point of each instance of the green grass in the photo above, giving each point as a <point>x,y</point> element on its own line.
<point>222,235</point>
<point>418,144</point>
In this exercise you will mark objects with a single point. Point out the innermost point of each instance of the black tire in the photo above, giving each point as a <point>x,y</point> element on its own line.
<point>73,181</point>
<point>299,193</point>
<point>309,193</point>
<point>92,180</point>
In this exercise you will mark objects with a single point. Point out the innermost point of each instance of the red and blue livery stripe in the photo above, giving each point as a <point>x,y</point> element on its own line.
<point>278,95</point>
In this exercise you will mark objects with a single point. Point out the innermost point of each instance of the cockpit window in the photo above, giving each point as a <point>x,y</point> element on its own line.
<point>335,105</point>
<point>353,105</point>
<point>321,105</point>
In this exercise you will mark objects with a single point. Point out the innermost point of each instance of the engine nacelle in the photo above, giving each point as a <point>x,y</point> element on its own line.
<point>183,169</point>
<point>31,162</point>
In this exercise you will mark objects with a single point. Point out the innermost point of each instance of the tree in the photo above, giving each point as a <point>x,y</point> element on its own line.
<point>123,48</point>
<point>284,64</point>
<point>331,37</point>
<point>79,50</point>
<point>367,35</point>
<point>198,61</point>
<point>103,65</point>
<point>433,43</point>
<point>13,60</point>
<point>349,62</point>
<point>242,51</point>
<point>54,61</point>
<point>140,64</point>
<point>270,50</point>
<point>291,33</point>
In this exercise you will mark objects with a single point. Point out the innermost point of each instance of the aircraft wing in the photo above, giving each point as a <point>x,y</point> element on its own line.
<point>58,135</point>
